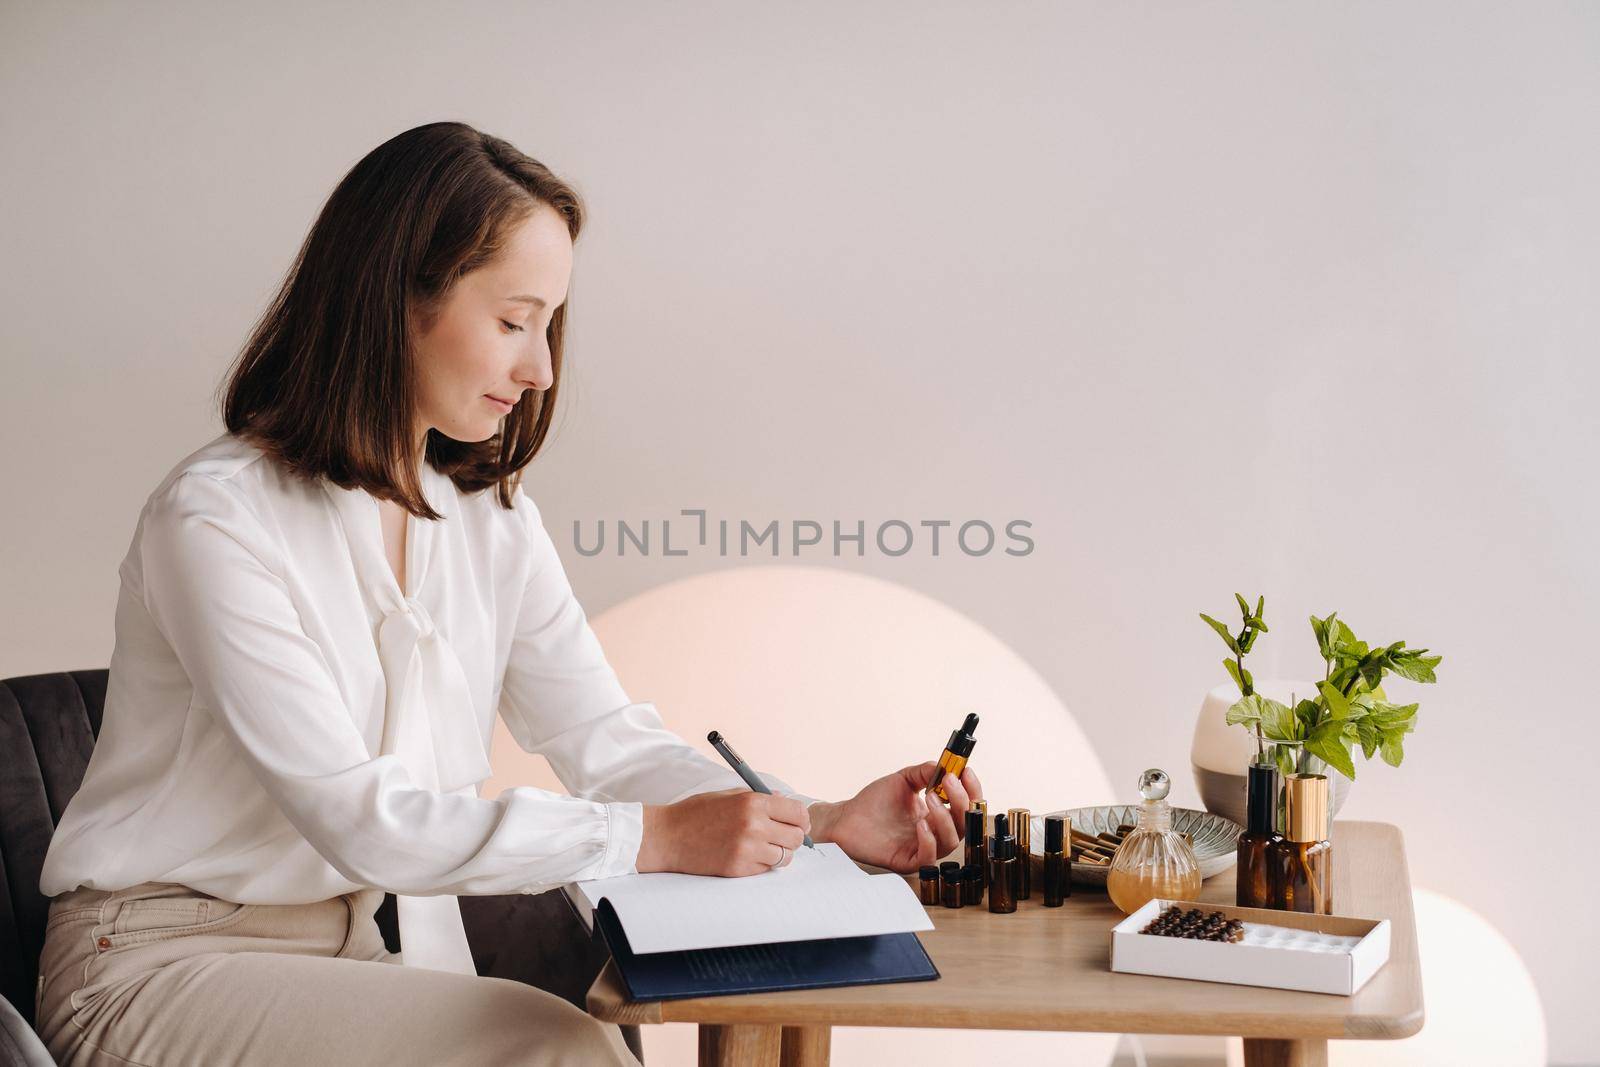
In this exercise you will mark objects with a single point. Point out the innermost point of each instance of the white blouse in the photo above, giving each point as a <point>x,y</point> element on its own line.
<point>282,725</point>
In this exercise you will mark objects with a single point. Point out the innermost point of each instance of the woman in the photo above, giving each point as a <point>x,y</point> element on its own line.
<point>321,613</point>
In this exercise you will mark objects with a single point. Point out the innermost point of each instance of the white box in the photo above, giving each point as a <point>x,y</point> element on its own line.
<point>1280,967</point>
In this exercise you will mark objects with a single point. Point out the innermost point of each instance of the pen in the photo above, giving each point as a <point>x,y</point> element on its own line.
<point>742,769</point>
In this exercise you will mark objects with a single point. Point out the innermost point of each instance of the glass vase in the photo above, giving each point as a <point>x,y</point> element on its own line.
<point>1292,757</point>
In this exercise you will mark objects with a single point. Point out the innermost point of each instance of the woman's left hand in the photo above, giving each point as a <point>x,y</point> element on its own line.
<point>898,822</point>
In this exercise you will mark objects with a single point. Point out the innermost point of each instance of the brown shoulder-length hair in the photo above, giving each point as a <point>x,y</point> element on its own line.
<point>326,383</point>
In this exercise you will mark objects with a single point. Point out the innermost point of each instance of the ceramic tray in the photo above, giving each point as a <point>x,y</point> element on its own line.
<point>1216,839</point>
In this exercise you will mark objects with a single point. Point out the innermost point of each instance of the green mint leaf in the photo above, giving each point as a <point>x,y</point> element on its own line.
<point>1327,744</point>
<point>1307,713</point>
<point>1368,735</point>
<point>1319,628</point>
<point>1343,635</point>
<point>1414,666</point>
<point>1372,666</point>
<point>1244,710</point>
<point>1233,669</point>
<point>1222,631</point>
<point>1277,721</point>
<point>1392,749</point>
<point>1395,717</point>
<point>1338,706</point>
<point>1244,606</point>
<point>1341,677</point>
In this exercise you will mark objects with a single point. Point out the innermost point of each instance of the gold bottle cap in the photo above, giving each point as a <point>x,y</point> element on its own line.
<point>1305,807</point>
<point>1020,819</point>
<point>983,806</point>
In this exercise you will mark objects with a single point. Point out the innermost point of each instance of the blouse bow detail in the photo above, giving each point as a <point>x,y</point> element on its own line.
<point>429,722</point>
<point>428,718</point>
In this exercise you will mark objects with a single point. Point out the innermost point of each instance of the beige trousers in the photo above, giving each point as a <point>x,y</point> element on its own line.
<point>160,975</point>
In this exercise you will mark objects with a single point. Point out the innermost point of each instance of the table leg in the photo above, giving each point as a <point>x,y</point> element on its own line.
<point>1300,1052</point>
<point>735,1046</point>
<point>806,1046</point>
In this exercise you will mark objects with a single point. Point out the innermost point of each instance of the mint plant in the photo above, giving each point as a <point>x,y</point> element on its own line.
<point>1239,645</point>
<point>1350,707</point>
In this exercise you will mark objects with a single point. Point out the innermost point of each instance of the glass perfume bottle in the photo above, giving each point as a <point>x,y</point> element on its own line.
<point>1260,833</point>
<point>1300,867</point>
<point>1153,860</point>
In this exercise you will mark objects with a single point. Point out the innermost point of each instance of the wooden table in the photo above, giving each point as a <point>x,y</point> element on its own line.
<point>1049,969</point>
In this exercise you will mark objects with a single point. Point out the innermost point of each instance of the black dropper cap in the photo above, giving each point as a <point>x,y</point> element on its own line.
<point>974,827</point>
<point>1055,833</point>
<point>950,869</point>
<point>1261,799</point>
<point>928,871</point>
<point>961,741</point>
<point>1004,844</point>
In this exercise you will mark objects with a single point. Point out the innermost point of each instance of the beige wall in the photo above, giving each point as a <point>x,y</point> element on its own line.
<point>1274,298</point>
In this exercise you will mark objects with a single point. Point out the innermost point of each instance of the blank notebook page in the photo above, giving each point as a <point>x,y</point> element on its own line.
<point>819,893</point>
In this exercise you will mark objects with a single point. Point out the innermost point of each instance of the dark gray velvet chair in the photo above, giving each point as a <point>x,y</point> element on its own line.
<point>48,726</point>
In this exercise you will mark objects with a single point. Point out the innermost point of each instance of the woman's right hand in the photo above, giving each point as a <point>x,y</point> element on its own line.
<point>731,832</point>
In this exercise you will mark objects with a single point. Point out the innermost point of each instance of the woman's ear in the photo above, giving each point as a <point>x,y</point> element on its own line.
<point>421,314</point>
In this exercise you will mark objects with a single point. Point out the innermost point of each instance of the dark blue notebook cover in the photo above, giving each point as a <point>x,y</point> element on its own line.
<point>710,972</point>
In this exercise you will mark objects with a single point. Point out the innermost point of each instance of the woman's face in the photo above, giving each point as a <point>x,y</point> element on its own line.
<point>487,342</point>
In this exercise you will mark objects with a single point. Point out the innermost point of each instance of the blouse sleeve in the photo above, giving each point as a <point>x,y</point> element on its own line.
<point>212,583</point>
<point>562,700</point>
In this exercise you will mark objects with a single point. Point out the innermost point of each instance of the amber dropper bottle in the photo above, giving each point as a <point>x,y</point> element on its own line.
<point>1300,866</point>
<point>1002,861</point>
<point>977,851</point>
<point>953,760</point>
<point>1057,862</point>
<point>1261,805</point>
<point>1022,830</point>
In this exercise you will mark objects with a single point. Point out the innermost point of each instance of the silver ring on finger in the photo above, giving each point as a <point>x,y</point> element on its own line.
<point>783,857</point>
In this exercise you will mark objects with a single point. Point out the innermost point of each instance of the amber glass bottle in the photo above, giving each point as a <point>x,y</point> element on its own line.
<point>1300,866</point>
<point>953,760</point>
<point>1002,862</point>
<point>1022,829</point>
<point>977,851</point>
<point>1261,802</point>
<point>950,884</point>
<point>1057,861</point>
<point>971,885</point>
<point>929,883</point>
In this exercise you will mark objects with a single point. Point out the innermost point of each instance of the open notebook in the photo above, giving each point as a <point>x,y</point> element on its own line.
<point>818,921</point>
<point>820,893</point>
